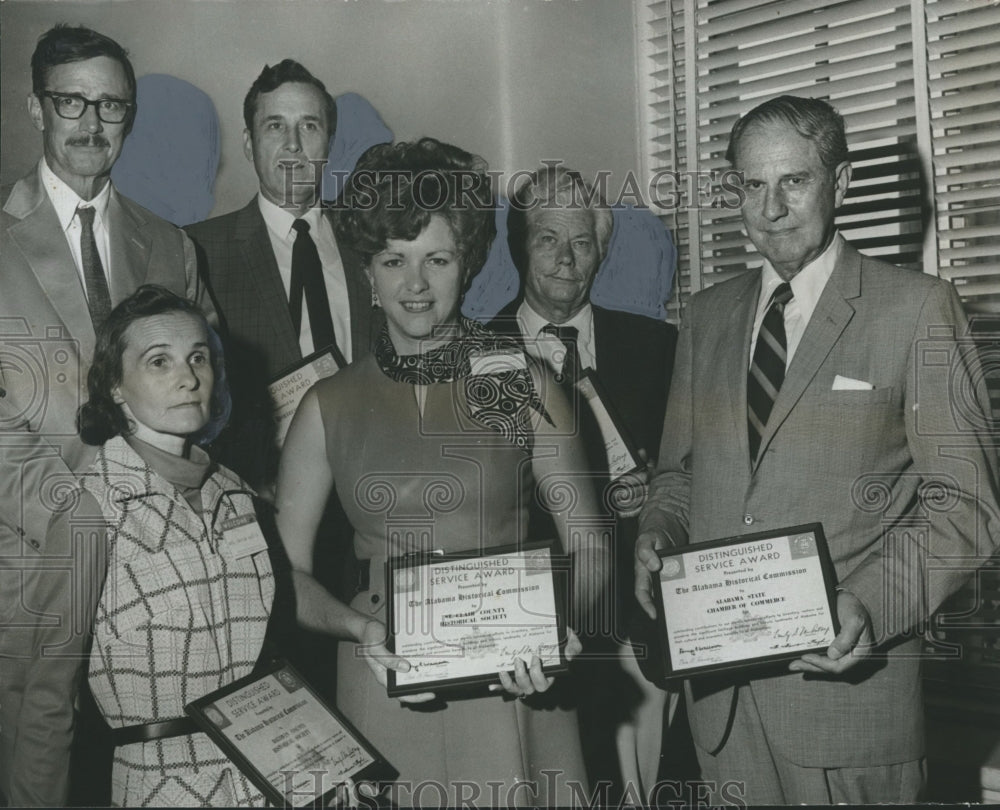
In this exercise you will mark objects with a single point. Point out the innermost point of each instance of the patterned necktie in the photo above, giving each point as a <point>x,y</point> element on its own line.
<point>307,280</point>
<point>571,368</point>
<point>98,297</point>
<point>767,371</point>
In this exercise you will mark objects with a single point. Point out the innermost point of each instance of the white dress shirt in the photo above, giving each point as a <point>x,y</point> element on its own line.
<point>544,346</point>
<point>807,286</point>
<point>66,201</point>
<point>279,229</point>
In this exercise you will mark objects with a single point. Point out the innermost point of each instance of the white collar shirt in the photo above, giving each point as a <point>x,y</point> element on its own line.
<point>282,235</point>
<point>548,347</point>
<point>66,201</point>
<point>807,287</point>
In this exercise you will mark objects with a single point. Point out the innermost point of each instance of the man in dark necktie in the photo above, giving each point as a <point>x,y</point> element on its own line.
<point>71,247</point>
<point>828,387</point>
<point>558,231</point>
<point>284,287</point>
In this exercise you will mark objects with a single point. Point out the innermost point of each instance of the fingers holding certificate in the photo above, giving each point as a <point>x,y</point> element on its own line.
<point>458,620</point>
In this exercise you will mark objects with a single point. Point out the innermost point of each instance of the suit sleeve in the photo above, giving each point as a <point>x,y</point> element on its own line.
<point>946,412</point>
<point>196,281</point>
<point>666,509</point>
<point>64,594</point>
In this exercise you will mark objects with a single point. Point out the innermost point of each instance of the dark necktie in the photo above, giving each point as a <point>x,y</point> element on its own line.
<point>98,297</point>
<point>767,371</point>
<point>571,368</point>
<point>307,280</point>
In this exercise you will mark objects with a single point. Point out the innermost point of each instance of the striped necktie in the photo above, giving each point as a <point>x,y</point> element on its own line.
<point>767,371</point>
<point>98,296</point>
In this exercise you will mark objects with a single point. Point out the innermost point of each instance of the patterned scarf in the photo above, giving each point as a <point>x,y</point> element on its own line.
<point>498,385</point>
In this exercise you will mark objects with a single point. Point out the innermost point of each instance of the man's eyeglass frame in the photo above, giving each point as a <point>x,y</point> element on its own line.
<point>96,104</point>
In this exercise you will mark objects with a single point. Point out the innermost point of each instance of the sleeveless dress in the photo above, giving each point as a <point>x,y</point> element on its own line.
<point>439,481</point>
<point>178,618</point>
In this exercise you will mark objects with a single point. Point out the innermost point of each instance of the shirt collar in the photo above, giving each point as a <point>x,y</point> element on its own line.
<point>532,323</point>
<point>280,220</point>
<point>808,284</point>
<point>66,201</point>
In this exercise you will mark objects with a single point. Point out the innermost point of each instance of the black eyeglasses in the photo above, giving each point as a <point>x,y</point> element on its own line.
<point>73,106</point>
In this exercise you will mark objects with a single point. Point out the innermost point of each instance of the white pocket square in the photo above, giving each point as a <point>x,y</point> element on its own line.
<point>848,384</point>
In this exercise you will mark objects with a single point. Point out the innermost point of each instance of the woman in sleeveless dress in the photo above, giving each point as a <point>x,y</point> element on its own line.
<point>428,453</point>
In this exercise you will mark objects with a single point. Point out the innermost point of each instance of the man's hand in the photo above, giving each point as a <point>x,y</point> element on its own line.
<point>647,563</point>
<point>853,643</point>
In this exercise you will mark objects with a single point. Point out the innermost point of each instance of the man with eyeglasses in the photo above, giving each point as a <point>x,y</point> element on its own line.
<point>71,247</point>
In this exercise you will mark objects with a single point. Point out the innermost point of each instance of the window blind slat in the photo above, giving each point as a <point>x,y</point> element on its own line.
<point>819,73</point>
<point>718,52</point>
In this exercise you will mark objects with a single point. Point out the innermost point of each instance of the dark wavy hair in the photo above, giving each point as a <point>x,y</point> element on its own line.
<point>63,44</point>
<point>555,187</point>
<point>812,118</point>
<point>395,189</point>
<point>272,77</point>
<point>101,418</point>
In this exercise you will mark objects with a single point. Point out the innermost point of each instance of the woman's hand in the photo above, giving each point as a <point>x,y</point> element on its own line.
<point>529,679</point>
<point>372,647</point>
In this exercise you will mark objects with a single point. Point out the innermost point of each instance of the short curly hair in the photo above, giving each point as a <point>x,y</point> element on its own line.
<point>395,189</point>
<point>554,187</point>
<point>101,418</point>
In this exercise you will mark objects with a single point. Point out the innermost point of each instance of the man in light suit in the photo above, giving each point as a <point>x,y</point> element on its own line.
<point>558,231</point>
<point>247,257</point>
<point>71,247</point>
<point>873,425</point>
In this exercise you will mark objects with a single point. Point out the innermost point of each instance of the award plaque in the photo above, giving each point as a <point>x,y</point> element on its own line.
<point>286,740</point>
<point>459,619</point>
<point>618,445</point>
<point>747,600</point>
<point>288,388</point>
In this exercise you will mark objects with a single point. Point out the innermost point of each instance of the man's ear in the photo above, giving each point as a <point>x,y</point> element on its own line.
<point>842,179</point>
<point>248,145</point>
<point>35,112</point>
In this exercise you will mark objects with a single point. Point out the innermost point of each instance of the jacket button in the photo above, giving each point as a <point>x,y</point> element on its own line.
<point>748,519</point>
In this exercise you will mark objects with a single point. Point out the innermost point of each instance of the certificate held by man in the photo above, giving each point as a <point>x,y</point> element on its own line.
<point>460,619</point>
<point>746,601</point>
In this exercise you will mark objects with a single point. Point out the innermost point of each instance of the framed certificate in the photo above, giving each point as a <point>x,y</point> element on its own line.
<point>461,618</point>
<point>746,600</point>
<point>288,388</point>
<point>622,454</point>
<point>293,746</point>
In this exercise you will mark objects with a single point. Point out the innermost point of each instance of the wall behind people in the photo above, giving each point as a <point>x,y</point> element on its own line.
<point>517,82</point>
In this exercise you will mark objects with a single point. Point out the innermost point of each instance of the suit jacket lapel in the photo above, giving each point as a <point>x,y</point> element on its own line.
<point>41,240</point>
<point>254,247</point>
<point>832,314</point>
<point>130,248</point>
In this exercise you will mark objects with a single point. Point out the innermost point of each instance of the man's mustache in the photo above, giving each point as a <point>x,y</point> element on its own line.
<point>87,140</point>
